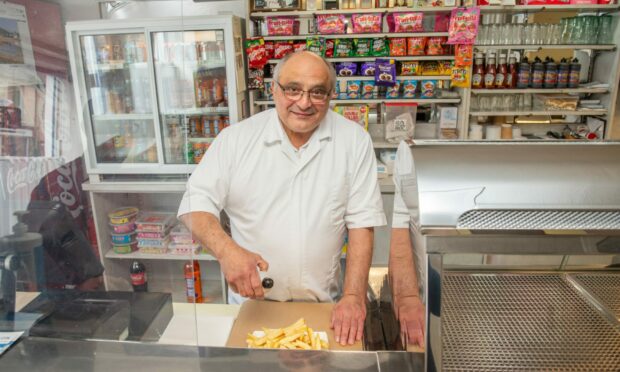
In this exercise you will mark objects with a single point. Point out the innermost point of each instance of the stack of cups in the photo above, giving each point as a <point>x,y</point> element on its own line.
<point>475,132</point>
<point>516,132</point>
<point>506,131</point>
<point>493,132</point>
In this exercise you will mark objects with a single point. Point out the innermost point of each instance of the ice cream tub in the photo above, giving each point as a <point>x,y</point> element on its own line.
<point>123,238</point>
<point>125,248</point>
<point>123,215</point>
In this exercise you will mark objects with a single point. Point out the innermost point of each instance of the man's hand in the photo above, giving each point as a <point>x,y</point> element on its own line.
<point>410,312</point>
<point>348,319</point>
<point>239,268</point>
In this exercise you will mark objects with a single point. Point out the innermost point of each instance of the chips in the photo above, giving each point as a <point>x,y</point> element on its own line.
<point>296,336</point>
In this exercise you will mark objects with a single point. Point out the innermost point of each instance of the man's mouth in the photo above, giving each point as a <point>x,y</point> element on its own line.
<point>303,114</point>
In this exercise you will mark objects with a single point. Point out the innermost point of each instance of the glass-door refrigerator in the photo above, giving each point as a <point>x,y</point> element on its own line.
<point>153,94</point>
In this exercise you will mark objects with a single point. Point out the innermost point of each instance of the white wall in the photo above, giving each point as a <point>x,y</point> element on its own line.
<point>78,10</point>
<point>178,8</point>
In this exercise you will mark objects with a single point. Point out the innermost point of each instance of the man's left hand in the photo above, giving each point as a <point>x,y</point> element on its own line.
<point>348,319</point>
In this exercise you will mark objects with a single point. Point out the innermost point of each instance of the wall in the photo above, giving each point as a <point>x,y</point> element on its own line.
<point>178,8</point>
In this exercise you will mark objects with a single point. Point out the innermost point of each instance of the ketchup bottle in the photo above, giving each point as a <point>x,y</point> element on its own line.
<point>511,78</point>
<point>491,70</point>
<point>477,81</point>
<point>193,284</point>
<point>502,72</point>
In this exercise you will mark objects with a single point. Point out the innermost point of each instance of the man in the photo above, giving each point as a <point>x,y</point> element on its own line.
<point>404,269</point>
<point>292,180</point>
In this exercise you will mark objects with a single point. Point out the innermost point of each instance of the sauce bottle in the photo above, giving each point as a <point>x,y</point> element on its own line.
<point>563,72</point>
<point>502,72</point>
<point>193,283</point>
<point>477,81</point>
<point>538,74</point>
<point>573,75</point>
<point>551,74</point>
<point>489,75</point>
<point>511,78</point>
<point>524,75</point>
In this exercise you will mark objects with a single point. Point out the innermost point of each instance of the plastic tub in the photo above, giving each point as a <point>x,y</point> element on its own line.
<point>125,248</point>
<point>123,238</point>
<point>155,222</point>
<point>123,215</point>
<point>124,228</point>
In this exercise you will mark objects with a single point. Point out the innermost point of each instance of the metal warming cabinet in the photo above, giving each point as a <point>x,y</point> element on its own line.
<point>523,244</point>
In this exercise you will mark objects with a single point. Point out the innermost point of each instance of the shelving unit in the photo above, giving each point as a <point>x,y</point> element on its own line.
<point>538,47</point>
<point>359,36</point>
<point>116,117</point>
<point>539,113</point>
<point>532,90</point>
<point>419,101</point>
<point>154,256</point>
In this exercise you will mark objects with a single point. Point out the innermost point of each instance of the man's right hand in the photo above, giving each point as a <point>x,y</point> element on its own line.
<point>410,312</point>
<point>240,270</point>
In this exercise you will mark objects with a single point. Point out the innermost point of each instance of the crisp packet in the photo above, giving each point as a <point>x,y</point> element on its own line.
<point>346,68</point>
<point>255,50</point>
<point>416,46</point>
<point>316,45</point>
<point>329,48</point>
<point>343,48</point>
<point>427,88</point>
<point>393,91</point>
<point>398,47</point>
<point>268,91</point>
<point>354,88</point>
<point>445,67</point>
<point>369,89</point>
<point>282,48</point>
<point>269,48</point>
<point>356,113</point>
<point>367,23</point>
<point>299,46</point>
<point>460,77</point>
<point>410,68</point>
<point>330,23</point>
<point>368,69</point>
<point>385,72</point>
<point>280,26</point>
<point>464,55</point>
<point>406,22</point>
<point>409,88</point>
<point>430,68</point>
<point>380,47</point>
<point>434,46</point>
<point>256,78</point>
<point>363,47</point>
<point>463,25</point>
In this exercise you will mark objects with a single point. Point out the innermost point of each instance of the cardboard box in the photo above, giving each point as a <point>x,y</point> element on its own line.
<point>254,315</point>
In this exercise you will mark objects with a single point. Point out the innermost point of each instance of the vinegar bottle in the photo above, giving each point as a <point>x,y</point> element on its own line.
<point>193,284</point>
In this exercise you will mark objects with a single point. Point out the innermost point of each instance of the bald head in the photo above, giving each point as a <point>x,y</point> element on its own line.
<point>305,59</point>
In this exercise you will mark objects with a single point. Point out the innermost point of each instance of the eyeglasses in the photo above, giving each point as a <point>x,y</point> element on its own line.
<point>316,95</point>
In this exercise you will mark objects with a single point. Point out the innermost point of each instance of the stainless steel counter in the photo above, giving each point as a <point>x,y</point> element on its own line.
<point>44,354</point>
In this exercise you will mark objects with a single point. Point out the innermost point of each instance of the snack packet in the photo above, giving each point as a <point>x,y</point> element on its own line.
<point>442,22</point>
<point>445,67</point>
<point>315,45</point>
<point>409,88</point>
<point>280,26</point>
<point>343,48</point>
<point>268,91</point>
<point>299,46</point>
<point>393,91</point>
<point>328,24</point>
<point>329,48</point>
<point>368,69</point>
<point>356,113</point>
<point>427,88</point>
<point>460,77</point>
<point>369,90</point>
<point>463,25</point>
<point>416,46</point>
<point>256,78</point>
<point>398,47</point>
<point>464,55</point>
<point>346,69</point>
<point>434,46</point>
<point>380,47</point>
<point>385,72</point>
<point>269,48</point>
<point>354,89</point>
<point>282,48</point>
<point>430,68</point>
<point>406,22</point>
<point>367,23</point>
<point>255,50</point>
<point>410,68</point>
<point>363,47</point>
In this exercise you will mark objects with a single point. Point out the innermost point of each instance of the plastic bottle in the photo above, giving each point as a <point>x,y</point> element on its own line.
<point>524,74</point>
<point>551,74</point>
<point>193,284</point>
<point>573,75</point>
<point>563,72</point>
<point>538,74</point>
<point>137,272</point>
<point>477,81</point>
<point>489,75</point>
<point>511,77</point>
<point>502,72</point>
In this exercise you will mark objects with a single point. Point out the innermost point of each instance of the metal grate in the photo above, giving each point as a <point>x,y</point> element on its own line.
<point>606,287</point>
<point>518,322</point>
<point>486,219</point>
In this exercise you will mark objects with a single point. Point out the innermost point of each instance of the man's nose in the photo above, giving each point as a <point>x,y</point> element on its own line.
<point>304,102</point>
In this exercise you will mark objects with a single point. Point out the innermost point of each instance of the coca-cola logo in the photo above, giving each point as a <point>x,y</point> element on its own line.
<point>21,175</point>
<point>68,182</point>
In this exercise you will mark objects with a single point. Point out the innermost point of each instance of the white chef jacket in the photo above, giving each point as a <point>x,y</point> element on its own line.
<point>291,207</point>
<point>406,208</point>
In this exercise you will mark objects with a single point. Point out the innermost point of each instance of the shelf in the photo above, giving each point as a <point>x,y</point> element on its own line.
<point>372,59</point>
<point>200,64</point>
<point>196,111</point>
<point>539,113</point>
<point>136,187</point>
<point>366,78</point>
<point>155,256</point>
<point>419,101</point>
<point>582,8</point>
<point>358,36</point>
<point>201,139</point>
<point>532,90</point>
<point>383,144</point>
<point>548,46</point>
<point>116,117</point>
<point>115,65</point>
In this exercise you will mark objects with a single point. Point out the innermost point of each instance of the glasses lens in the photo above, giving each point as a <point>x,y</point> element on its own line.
<point>318,96</point>
<point>292,93</point>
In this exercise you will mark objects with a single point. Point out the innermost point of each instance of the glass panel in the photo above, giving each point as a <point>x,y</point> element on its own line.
<point>119,95</point>
<point>190,71</point>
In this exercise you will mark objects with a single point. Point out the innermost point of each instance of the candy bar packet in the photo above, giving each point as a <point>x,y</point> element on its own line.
<point>368,69</point>
<point>463,26</point>
<point>256,52</point>
<point>385,72</point>
<point>398,47</point>
<point>367,23</point>
<point>346,69</point>
<point>363,47</point>
<point>380,47</point>
<point>343,48</point>
<point>410,68</point>
<point>256,78</point>
<point>406,22</point>
<point>330,23</point>
<point>316,45</point>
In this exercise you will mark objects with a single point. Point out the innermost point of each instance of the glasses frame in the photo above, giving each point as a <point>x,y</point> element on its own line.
<point>313,100</point>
